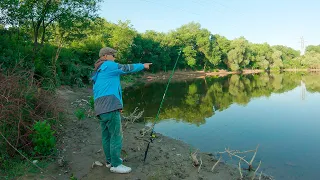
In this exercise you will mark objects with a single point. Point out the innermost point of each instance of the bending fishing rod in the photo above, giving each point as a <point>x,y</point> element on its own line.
<point>157,117</point>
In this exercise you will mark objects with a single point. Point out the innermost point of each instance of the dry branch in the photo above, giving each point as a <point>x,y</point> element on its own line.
<point>194,158</point>
<point>240,170</point>
<point>200,165</point>
<point>260,175</point>
<point>254,154</point>
<point>216,164</point>
<point>254,175</point>
<point>23,102</point>
<point>235,152</point>
<point>133,117</point>
<point>242,158</point>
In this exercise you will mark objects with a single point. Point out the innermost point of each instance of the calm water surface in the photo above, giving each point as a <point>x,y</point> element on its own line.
<point>280,112</point>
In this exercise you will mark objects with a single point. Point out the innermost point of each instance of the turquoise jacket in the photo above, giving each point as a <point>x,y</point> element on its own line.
<point>107,85</point>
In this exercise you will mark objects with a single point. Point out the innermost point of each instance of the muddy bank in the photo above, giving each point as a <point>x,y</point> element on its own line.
<point>303,70</point>
<point>181,75</point>
<point>79,145</point>
<point>185,75</point>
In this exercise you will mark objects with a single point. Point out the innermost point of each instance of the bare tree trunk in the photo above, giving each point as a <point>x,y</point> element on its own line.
<point>35,50</point>
<point>35,43</point>
<point>54,63</point>
<point>37,28</point>
<point>43,32</point>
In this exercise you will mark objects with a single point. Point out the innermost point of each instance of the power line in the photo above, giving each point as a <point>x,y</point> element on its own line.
<point>206,5</point>
<point>175,8</point>
<point>223,5</point>
<point>202,3</point>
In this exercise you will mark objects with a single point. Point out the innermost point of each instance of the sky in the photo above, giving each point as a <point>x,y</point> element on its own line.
<point>277,22</point>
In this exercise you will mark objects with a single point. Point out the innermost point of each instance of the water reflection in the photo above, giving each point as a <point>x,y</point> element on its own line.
<point>193,101</point>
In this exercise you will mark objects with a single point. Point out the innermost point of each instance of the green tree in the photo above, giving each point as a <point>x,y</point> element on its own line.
<point>311,59</point>
<point>237,56</point>
<point>122,37</point>
<point>220,49</point>
<point>287,52</point>
<point>262,56</point>
<point>39,15</point>
<point>276,61</point>
<point>313,48</point>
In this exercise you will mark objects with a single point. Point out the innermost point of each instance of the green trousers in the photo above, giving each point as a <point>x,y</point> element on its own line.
<point>111,137</point>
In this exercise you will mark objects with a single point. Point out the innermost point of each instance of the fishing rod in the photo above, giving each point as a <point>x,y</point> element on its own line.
<point>152,136</point>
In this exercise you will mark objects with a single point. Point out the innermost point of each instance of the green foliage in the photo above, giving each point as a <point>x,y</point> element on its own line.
<point>237,56</point>
<point>14,168</point>
<point>313,48</point>
<point>220,46</point>
<point>14,49</point>
<point>262,56</point>
<point>43,138</point>
<point>69,51</point>
<point>276,63</point>
<point>311,60</point>
<point>80,113</point>
<point>122,37</point>
<point>287,53</point>
<point>91,102</point>
<point>127,78</point>
<point>72,177</point>
<point>23,103</point>
<point>43,13</point>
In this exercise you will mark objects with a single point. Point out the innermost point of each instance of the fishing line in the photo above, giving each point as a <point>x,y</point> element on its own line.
<point>157,117</point>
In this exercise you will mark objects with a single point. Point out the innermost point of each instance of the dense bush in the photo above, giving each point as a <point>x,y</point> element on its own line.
<point>22,104</point>
<point>43,138</point>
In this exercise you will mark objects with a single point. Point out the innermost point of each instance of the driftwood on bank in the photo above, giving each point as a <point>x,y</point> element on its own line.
<point>236,153</point>
<point>132,117</point>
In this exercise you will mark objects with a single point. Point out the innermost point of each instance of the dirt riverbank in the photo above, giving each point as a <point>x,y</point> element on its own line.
<point>79,146</point>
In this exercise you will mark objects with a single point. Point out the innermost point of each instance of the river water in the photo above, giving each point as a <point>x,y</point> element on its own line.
<point>278,112</point>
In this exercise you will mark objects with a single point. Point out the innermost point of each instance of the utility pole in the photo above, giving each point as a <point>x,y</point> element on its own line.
<point>302,45</point>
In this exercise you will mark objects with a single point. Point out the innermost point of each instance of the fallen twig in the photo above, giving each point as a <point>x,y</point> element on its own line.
<point>242,158</point>
<point>254,174</point>
<point>240,170</point>
<point>254,154</point>
<point>260,175</point>
<point>200,165</point>
<point>135,115</point>
<point>194,158</point>
<point>235,152</point>
<point>216,164</point>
